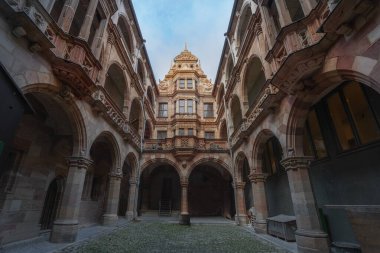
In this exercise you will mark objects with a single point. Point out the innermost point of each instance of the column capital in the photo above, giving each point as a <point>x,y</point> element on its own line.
<point>297,162</point>
<point>79,162</point>
<point>258,177</point>
<point>239,185</point>
<point>132,181</point>
<point>184,182</point>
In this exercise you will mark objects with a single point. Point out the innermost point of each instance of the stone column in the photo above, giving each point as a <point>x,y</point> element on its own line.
<point>96,44</point>
<point>260,200</point>
<point>87,22</point>
<point>309,236</point>
<point>269,28</point>
<point>240,203</point>
<point>185,217</point>
<point>110,217</point>
<point>67,14</point>
<point>65,228</point>
<point>131,214</point>
<point>283,13</point>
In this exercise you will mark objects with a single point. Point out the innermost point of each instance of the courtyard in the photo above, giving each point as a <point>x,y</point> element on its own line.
<point>168,237</point>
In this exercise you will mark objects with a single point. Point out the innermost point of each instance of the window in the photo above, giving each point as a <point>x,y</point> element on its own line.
<point>163,110</point>
<point>181,131</point>
<point>181,106</point>
<point>272,155</point>
<point>209,135</point>
<point>208,110</point>
<point>182,83</point>
<point>189,106</point>
<point>189,83</point>
<point>190,132</point>
<point>343,120</point>
<point>161,135</point>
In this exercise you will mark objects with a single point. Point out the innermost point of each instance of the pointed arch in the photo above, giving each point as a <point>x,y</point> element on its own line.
<point>244,19</point>
<point>236,112</point>
<point>254,80</point>
<point>116,85</point>
<point>124,29</point>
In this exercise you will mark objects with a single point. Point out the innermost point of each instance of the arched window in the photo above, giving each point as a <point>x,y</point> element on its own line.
<point>295,9</point>
<point>345,119</point>
<point>123,28</point>
<point>230,66</point>
<point>140,71</point>
<point>236,113</point>
<point>79,17</point>
<point>150,96</point>
<point>55,12</point>
<point>272,155</point>
<point>254,80</point>
<point>243,24</point>
<point>135,115</point>
<point>115,85</point>
<point>223,130</point>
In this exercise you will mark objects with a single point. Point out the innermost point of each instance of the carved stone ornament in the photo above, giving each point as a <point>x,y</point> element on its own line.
<point>295,163</point>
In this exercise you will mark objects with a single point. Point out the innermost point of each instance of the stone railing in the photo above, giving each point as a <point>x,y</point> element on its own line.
<point>185,116</point>
<point>132,135</point>
<point>190,143</point>
<point>266,102</point>
<point>297,36</point>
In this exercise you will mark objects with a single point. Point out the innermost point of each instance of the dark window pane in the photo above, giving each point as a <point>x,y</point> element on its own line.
<point>341,122</point>
<point>316,135</point>
<point>361,113</point>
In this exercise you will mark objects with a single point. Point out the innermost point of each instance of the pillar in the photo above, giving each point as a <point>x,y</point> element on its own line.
<point>240,203</point>
<point>309,236</point>
<point>283,13</point>
<point>260,200</point>
<point>185,216</point>
<point>267,23</point>
<point>67,15</point>
<point>65,228</point>
<point>85,29</point>
<point>110,216</point>
<point>131,213</point>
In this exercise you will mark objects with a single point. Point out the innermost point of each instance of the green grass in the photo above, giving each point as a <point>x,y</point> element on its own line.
<point>163,237</point>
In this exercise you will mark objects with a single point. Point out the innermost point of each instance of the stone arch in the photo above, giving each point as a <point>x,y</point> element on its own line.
<point>150,96</point>
<point>135,115</point>
<point>242,27</point>
<point>254,80</point>
<point>70,108</point>
<point>123,26</point>
<point>239,161</point>
<point>258,148</point>
<point>110,140</point>
<point>127,194</point>
<point>141,71</point>
<point>223,134</point>
<point>116,85</point>
<point>236,112</point>
<point>325,82</point>
<point>159,161</point>
<point>148,130</point>
<point>209,160</point>
<point>131,159</point>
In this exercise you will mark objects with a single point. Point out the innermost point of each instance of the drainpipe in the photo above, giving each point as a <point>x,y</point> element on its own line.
<point>141,148</point>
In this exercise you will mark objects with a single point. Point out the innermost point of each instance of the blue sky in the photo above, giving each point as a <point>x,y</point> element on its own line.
<point>167,24</point>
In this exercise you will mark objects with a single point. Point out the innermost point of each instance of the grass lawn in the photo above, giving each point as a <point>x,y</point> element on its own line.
<point>164,237</point>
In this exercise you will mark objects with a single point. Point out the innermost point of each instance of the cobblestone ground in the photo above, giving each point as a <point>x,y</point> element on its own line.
<point>164,237</point>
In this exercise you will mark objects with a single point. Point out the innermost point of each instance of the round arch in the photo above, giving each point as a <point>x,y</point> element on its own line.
<point>242,27</point>
<point>254,80</point>
<point>123,26</point>
<point>236,112</point>
<point>108,137</point>
<point>135,115</point>
<point>70,108</point>
<point>160,161</point>
<point>116,85</point>
<point>217,163</point>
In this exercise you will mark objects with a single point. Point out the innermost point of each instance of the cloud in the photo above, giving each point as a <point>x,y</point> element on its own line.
<point>168,24</point>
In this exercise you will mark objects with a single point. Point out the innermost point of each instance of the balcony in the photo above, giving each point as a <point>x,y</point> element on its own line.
<point>186,147</point>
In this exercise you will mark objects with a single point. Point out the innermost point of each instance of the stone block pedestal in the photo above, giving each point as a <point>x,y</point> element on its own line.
<point>64,231</point>
<point>184,219</point>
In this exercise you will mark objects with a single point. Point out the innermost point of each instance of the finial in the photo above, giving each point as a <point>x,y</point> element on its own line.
<point>185,46</point>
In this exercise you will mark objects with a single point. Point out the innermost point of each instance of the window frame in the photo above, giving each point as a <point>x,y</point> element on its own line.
<point>206,113</point>
<point>161,113</point>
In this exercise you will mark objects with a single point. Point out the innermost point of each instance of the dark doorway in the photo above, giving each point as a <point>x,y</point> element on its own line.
<point>166,192</point>
<point>210,192</point>
<point>51,204</point>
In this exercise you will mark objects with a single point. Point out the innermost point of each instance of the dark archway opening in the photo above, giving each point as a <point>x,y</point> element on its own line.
<point>211,192</point>
<point>277,184</point>
<point>160,190</point>
<point>52,203</point>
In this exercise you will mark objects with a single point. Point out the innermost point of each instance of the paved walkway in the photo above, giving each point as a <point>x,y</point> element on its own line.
<point>87,235</point>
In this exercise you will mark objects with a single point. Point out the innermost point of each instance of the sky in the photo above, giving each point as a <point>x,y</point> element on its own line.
<point>167,25</point>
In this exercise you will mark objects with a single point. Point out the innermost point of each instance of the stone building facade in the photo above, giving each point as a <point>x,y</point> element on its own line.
<point>291,125</point>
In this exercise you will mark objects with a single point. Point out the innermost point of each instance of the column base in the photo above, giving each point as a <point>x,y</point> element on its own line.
<point>109,219</point>
<point>260,226</point>
<point>130,215</point>
<point>184,219</point>
<point>242,219</point>
<point>311,241</point>
<point>64,231</point>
